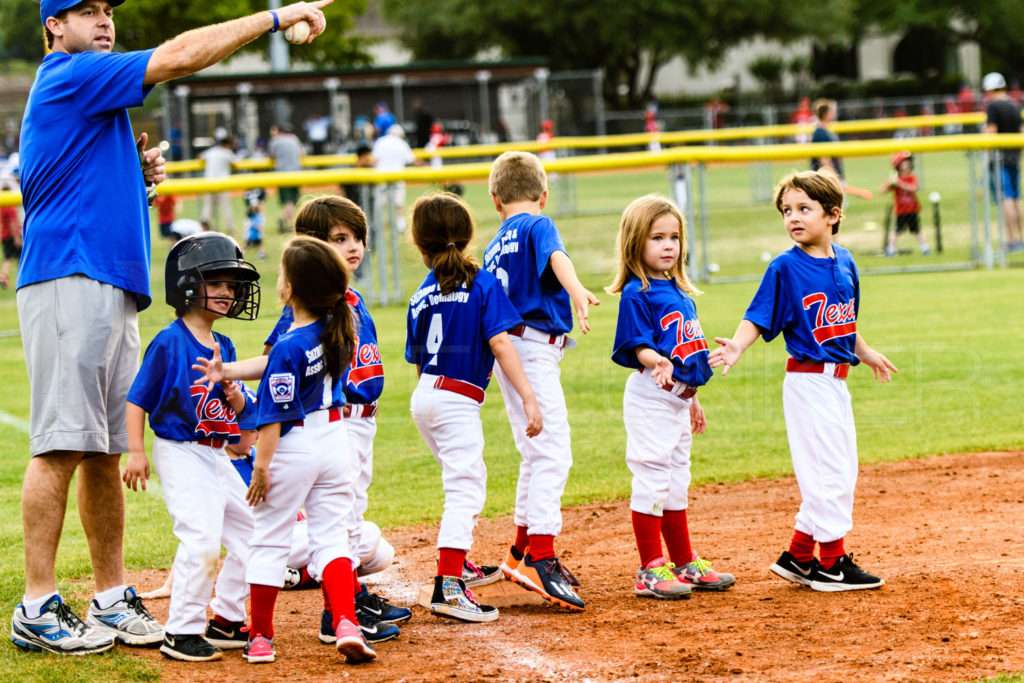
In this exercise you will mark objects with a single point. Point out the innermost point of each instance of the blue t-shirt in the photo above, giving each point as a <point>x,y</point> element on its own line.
<point>519,256</point>
<point>178,409</point>
<point>84,196</point>
<point>364,376</point>
<point>449,334</point>
<point>813,302</point>
<point>244,465</point>
<point>663,318</point>
<point>295,382</point>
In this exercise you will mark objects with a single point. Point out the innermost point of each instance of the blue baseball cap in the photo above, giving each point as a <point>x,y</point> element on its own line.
<point>51,8</point>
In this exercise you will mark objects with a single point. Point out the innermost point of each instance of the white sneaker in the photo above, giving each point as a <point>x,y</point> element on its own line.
<point>57,629</point>
<point>127,620</point>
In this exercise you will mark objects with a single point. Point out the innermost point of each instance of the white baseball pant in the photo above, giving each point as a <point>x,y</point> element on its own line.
<point>547,457</point>
<point>823,445</point>
<point>312,468</point>
<point>658,442</point>
<point>206,501</point>
<point>363,536</point>
<point>450,424</point>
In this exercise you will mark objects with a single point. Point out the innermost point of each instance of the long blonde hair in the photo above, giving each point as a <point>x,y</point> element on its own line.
<point>634,227</point>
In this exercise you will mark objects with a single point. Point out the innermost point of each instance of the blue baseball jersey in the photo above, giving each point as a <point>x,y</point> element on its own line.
<point>519,256</point>
<point>449,334</point>
<point>178,409</point>
<point>664,318</point>
<point>244,465</point>
<point>76,138</point>
<point>295,382</point>
<point>813,302</point>
<point>364,377</point>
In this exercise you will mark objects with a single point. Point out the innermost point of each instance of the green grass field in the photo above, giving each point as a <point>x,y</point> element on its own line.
<point>953,335</point>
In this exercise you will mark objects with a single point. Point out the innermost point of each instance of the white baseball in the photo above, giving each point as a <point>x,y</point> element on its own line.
<point>297,33</point>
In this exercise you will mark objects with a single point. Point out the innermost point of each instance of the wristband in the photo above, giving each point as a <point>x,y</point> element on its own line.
<point>277,22</point>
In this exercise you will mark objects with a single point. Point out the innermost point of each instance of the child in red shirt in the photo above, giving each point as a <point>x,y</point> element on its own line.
<point>10,235</point>
<point>904,188</point>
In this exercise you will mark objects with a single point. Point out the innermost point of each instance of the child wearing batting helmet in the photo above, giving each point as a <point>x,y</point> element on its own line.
<point>658,335</point>
<point>811,295</point>
<point>529,259</point>
<point>903,185</point>
<point>457,326</point>
<point>206,279</point>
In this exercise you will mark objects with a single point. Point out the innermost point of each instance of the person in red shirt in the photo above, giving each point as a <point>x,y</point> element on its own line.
<point>903,185</point>
<point>166,207</point>
<point>10,235</point>
<point>803,116</point>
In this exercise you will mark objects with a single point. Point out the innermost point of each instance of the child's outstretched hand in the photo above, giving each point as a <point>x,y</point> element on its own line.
<point>582,300</point>
<point>698,422</point>
<point>661,373</point>
<point>726,355</point>
<point>879,364</point>
<point>534,421</point>
<point>230,389</point>
<point>212,368</point>
<point>258,486</point>
<point>136,470</point>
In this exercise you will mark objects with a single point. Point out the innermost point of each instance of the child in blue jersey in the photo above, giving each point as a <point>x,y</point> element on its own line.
<point>458,326</point>
<point>206,280</point>
<point>811,294</point>
<point>658,335</point>
<point>528,258</point>
<point>342,224</point>
<point>302,458</point>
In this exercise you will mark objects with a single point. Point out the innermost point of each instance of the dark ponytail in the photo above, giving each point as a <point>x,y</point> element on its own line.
<point>319,282</point>
<point>442,228</point>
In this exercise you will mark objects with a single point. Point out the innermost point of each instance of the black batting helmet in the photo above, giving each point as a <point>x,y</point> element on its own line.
<point>209,257</point>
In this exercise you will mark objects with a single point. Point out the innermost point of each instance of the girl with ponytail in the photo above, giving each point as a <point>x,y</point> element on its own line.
<point>458,326</point>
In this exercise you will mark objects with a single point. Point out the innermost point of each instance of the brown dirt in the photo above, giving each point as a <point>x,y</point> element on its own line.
<point>944,531</point>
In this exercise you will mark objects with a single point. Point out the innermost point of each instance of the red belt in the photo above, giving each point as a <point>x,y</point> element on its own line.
<point>212,443</point>
<point>359,410</point>
<point>553,339</point>
<point>333,415</point>
<point>689,392</point>
<point>838,370</point>
<point>459,387</point>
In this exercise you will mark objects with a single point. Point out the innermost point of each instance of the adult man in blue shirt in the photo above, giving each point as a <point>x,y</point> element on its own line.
<point>83,278</point>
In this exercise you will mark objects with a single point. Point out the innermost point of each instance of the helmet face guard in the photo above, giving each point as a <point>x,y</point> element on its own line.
<point>210,258</point>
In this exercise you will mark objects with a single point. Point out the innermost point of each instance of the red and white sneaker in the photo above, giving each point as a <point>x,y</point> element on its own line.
<point>259,649</point>
<point>352,644</point>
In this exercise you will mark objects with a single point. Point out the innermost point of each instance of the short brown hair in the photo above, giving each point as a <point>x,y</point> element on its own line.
<point>318,215</point>
<point>517,177</point>
<point>822,107</point>
<point>823,186</point>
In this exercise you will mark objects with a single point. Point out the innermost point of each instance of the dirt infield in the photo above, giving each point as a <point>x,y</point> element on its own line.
<point>945,533</point>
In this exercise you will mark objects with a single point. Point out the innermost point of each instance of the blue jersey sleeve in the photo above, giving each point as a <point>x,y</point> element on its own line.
<point>633,329</point>
<point>498,313</point>
<point>278,397</point>
<point>149,381</point>
<point>283,323</point>
<point>770,308</point>
<point>546,241</point>
<point>109,81</point>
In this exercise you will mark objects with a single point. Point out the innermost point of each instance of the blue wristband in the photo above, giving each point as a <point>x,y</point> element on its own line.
<point>277,22</point>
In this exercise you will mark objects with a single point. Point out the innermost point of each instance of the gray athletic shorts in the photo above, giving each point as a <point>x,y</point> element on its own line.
<point>81,342</point>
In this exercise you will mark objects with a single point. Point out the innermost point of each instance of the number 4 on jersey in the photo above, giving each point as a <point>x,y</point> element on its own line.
<point>435,334</point>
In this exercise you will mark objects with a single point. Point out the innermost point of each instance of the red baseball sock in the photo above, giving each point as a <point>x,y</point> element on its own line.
<point>676,531</point>
<point>542,546</point>
<point>226,623</point>
<point>522,539</point>
<point>802,546</point>
<point>450,562</point>
<point>327,600</point>
<point>647,530</point>
<point>337,585</point>
<point>261,604</point>
<point>831,551</point>
<point>356,586</point>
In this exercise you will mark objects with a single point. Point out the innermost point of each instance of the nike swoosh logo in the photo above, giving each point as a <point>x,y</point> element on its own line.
<point>805,572</point>
<point>378,612</point>
<point>834,577</point>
